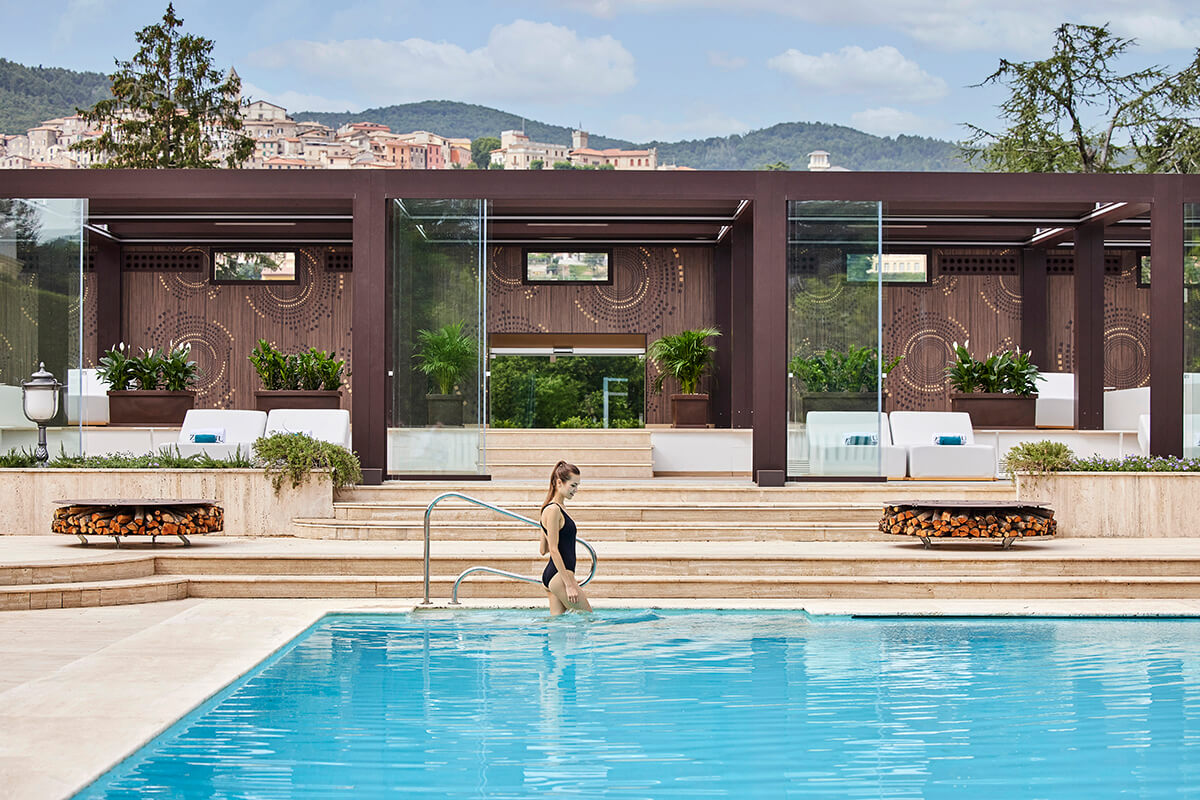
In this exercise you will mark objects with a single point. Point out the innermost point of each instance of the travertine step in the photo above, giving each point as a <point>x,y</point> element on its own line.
<point>128,591</point>
<point>595,531</point>
<point>609,469</point>
<point>99,570</point>
<point>456,511</point>
<point>604,454</point>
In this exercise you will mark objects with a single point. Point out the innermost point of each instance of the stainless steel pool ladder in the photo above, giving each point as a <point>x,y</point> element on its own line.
<point>493,570</point>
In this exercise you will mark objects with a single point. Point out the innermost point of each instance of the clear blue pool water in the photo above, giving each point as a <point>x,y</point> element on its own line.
<point>511,704</point>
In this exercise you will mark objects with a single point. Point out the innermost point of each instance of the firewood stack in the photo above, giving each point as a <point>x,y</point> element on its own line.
<point>972,523</point>
<point>113,520</point>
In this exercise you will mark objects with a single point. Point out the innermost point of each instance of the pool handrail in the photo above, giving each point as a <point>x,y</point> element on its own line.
<point>469,570</point>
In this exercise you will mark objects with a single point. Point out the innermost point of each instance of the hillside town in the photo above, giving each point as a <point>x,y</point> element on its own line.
<point>283,143</point>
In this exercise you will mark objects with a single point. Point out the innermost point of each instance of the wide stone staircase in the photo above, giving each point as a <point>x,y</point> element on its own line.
<point>655,538</point>
<point>529,454</point>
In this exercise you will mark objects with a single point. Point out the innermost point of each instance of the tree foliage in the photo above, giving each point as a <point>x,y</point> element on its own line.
<point>1076,112</point>
<point>170,106</point>
<point>481,150</point>
<point>31,95</point>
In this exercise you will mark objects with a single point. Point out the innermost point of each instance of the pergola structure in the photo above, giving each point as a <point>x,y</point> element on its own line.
<point>742,217</point>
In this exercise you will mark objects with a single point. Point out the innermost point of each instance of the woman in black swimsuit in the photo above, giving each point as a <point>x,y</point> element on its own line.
<point>558,539</point>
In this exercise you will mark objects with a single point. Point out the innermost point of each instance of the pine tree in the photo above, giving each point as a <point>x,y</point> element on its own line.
<point>170,107</point>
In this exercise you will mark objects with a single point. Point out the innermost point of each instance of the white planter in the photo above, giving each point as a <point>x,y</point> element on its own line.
<point>1117,504</point>
<point>252,508</point>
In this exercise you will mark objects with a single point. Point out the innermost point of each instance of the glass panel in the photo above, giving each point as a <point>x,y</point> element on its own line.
<point>435,420</point>
<point>578,266</point>
<point>41,275</point>
<point>567,392</point>
<point>1191,332</point>
<point>242,266</point>
<point>834,400</point>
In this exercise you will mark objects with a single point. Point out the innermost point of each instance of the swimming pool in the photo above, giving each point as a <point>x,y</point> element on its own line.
<point>513,704</point>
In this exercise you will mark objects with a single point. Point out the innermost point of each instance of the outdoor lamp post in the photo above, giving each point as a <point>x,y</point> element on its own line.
<point>39,397</point>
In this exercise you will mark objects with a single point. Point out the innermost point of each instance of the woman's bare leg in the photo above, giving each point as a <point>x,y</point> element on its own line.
<point>559,591</point>
<point>556,605</point>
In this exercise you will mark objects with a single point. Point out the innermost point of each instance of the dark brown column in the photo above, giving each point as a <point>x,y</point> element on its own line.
<point>722,264</point>
<point>1089,326</point>
<point>741,390</point>
<point>369,334</point>
<point>1034,335</point>
<point>769,327</point>
<point>1166,317</point>
<point>109,293</point>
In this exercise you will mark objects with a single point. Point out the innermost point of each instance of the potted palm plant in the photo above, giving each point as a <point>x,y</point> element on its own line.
<point>152,388</point>
<point>685,356</point>
<point>837,381</point>
<point>312,379</point>
<point>445,355</point>
<point>999,391</point>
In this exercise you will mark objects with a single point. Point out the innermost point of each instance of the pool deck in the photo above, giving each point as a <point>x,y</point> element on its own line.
<point>82,688</point>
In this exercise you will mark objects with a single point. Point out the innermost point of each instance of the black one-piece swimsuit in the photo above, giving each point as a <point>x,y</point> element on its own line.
<point>566,548</point>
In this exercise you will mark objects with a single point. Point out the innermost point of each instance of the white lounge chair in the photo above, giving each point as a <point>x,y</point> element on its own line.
<point>12,404</point>
<point>218,432</point>
<point>919,432</point>
<point>327,424</point>
<point>853,443</point>
<point>87,398</point>
<point>1055,400</point>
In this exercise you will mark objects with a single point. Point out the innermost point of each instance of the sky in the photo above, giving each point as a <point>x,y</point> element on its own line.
<point>639,70</point>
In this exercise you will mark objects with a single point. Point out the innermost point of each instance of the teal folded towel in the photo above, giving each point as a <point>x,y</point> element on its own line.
<point>948,438</point>
<point>205,438</point>
<point>869,439</point>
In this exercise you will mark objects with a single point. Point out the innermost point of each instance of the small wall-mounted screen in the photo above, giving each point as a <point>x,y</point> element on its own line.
<point>577,266</point>
<point>897,267</point>
<point>230,265</point>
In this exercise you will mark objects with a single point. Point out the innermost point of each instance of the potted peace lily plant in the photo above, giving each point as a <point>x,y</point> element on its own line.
<point>685,356</point>
<point>311,379</point>
<point>837,381</point>
<point>999,391</point>
<point>154,387</point>
<point>445,355</point>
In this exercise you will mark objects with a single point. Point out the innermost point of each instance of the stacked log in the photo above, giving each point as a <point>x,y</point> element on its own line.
<point>118,520</point>
<point>969,523</point>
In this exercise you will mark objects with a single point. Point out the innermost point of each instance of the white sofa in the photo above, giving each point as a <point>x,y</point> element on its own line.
<point>235,429</point>
<point>87,398</point>
<point>1055,400</point>
<point>916,432</point>
<point>12,408</point>
<point>831,451</point>
<point>327,424</point>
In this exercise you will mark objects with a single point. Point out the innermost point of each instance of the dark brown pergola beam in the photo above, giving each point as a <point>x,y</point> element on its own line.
<point>1166,314</point>
<point>1107,214</point>
<point>1088,326</point>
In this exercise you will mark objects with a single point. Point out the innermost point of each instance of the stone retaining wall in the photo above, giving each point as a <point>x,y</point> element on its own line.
<point>252,508</point>
<point>1118,504</point>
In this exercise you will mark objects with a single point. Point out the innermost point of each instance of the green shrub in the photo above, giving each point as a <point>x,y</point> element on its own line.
<point>1037,458</point>
<point>625,423</point>
<point>1006,371</point>
<point>152,369</point>
<point>685,356</point>
<point>168,460</point>
<point>17,459</point>
<point>446,355</point>
<point>578,422</point>
<point>856,370</point>
<point>292,456</point>
<point>311,370</point>
<point>1138,463</point>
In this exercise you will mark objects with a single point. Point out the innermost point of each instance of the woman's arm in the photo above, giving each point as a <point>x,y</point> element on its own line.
<point>552,521</point>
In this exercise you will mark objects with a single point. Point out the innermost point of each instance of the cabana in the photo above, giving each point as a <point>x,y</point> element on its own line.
<point>785,263</point>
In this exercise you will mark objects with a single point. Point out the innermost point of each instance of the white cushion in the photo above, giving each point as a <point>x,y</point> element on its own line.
<point>1122,407</point>
<point>236,426</point>
<point>86,398</point>
<point>327,424</point>
<point>919,427</point>
<point>828,434</point>
<point>914,430</point>
<point>1055,400</point>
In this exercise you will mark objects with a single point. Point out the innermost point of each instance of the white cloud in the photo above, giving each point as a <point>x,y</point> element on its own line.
<point>298,101</point>
<point>725,61</point>
<point>882,71</point>
<point>1023,26</point>
<point>521,61</point>
<point>886,121</point>
<point>700,124</point>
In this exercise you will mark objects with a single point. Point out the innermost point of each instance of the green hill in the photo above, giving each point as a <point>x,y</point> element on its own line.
<point>29,95</point>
